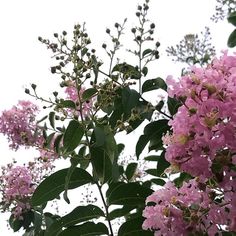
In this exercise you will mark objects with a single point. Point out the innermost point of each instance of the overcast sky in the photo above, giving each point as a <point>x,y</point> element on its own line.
<point>23,60</point>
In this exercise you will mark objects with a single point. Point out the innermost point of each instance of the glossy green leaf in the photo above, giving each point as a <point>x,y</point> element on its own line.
<point>232,18</point>
<point>52,186</point>
<point>145,70</point>
<point>37,220</point>
<point>130,100</point>
<point>15,223</point>
<point>153,133</point>
<point>104,153</point>
<point>127,194</point>
<point>73,135</point>
<point>133,227</point>
<point>146,52</point>
<point>141,144</point>
<point>152,172</point>
<point>162,164</point>
<point>153,84</point>
<point>120,212</point>
<point>151,158</point>
<point>78,215</point>
<point>130,170</point>
<point>52,119</point>
<point>50,218</point>
<point>232,39</point>
<point>89,93</point>
<point>173,105</point>
<point>102,164</point>
<point>74,162</point>
<point>66,104</point>
<point>157,181</point>
<point>86,229</point>
<point>57,142</point>
<point>100,137</point>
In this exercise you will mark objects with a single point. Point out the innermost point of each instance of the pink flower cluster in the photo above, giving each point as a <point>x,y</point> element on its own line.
<point>202,144</point>
<point>76,96</point>
<point>17,184</point>
<point>204,129</point>
<point>187,210</point>
<point>19,125</point>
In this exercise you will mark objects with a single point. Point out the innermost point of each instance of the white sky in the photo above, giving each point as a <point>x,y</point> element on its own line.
<point>23,60</point>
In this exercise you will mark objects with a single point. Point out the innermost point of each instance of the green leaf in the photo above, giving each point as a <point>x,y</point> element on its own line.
<point>100,137</point>
<point>53,185</point>
<point>88,93</point>
<point>162,164</point>
<point>232,39</point>
<point>173,105</point>
<point>153,133</point>
<point>151,158</point>
<point>38,219</point>
<point>66,104</point>
<point>127,70</point>
<point>130,170</point>
<point>86,229</point>
<point>101,163</point>
<point>153,84</point>
<point>104,153</point>
<point>157,181</point>
<point>78,215</point>
<point>152,172</point>
<point>127,194</point>
<point>15,223</point>
<point>146,52</point>
<point>74,162</point>
<point>73,135</point>
<point>130,100</point>
<point>28,217</point>
<point>232,18</point>
<point>141,144</point>
<point>133,227</point>
<point>50,218</point>
<point>52,119</point>
<point>145,70</point>
<point>57,142</point>
<point>120,212</point>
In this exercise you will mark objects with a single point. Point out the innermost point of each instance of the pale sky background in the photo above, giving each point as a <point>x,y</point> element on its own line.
<point>23,60</point>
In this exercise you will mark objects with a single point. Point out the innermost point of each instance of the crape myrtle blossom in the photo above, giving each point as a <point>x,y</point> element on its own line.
<point>19,125</point>
<point>202,144</point>
<point>76,96</point>
<point>17,184</point>
<point>186,210</point>
<point>204,128</point>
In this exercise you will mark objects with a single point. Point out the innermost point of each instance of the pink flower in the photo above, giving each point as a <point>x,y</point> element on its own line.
<point>178,211</point>
<point>206,122</point>
<point>76,96</point>
<point>19,125</point>
<point>17,184</point>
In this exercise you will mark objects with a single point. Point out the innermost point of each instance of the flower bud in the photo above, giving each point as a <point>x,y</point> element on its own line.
<point>27,91</point>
